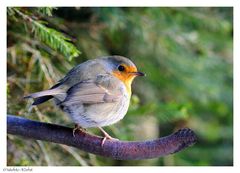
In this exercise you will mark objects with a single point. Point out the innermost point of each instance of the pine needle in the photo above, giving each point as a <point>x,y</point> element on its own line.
<point>51,37</point>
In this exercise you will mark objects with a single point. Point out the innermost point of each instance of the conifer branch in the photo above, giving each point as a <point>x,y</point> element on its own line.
<point>53,38</point>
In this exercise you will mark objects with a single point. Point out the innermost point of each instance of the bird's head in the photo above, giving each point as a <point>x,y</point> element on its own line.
<point>124,69</point>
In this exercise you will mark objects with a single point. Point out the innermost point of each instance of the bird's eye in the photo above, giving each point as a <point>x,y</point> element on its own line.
<point>121,68</point>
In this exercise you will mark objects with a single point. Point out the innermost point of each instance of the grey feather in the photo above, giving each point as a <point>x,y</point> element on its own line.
<point>50,92</point>
<point>89,92</point>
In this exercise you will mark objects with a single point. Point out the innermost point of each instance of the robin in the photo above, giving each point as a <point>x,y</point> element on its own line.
<point>95,93</point>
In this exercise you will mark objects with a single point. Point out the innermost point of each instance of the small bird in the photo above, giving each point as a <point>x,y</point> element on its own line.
<point>95,93</point>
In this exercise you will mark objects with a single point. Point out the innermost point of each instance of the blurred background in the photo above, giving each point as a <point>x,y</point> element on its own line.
<point>187,54</point>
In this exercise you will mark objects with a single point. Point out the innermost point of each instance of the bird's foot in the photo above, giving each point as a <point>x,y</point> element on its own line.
<point>106,136</point>
<point>110,138</point>
<point>76,128</point>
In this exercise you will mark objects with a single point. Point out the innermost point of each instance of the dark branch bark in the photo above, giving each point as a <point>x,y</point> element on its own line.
<point>120,150</point>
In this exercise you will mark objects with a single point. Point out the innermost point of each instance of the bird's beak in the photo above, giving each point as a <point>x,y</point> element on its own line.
<point>138,73</point>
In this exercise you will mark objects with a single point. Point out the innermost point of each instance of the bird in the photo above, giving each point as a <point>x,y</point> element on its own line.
<point>95,93</point>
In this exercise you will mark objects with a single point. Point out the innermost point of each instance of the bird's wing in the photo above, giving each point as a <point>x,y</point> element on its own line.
<point>93,92</point>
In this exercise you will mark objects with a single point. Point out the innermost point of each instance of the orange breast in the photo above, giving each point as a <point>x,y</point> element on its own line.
<point>126,77</point>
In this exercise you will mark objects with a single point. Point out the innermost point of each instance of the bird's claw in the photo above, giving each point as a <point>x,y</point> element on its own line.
<point>108,137</point>
<point>77,127</point>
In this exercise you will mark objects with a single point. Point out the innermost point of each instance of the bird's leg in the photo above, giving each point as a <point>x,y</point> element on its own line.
<point>77,127</point>
<point>106,136</point>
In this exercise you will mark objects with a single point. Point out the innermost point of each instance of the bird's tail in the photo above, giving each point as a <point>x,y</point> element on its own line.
<point>43,96</point>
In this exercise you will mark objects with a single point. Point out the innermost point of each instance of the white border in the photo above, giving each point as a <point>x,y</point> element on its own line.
<point>107,3</point>
<point>236,86</point>
<point>140,3</point>
<point>3,77</point>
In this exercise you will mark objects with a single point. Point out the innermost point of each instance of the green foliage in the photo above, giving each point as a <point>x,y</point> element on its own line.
<point>185,52</point>
<point>55,39</point>
<point>49,36</point>
<point>45,11</point>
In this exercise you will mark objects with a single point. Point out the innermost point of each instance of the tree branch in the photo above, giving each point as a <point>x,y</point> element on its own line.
<point>120,150</point>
